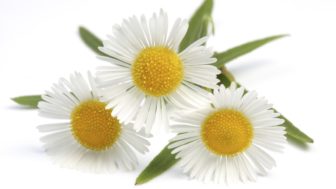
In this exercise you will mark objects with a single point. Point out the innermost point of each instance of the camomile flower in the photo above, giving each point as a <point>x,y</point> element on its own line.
<point>147,72</point>
<point>227,140</point>
<point>87,137</point>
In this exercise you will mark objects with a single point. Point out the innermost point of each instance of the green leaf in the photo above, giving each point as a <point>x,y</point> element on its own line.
<point>233,53</point>
<point>90,40</point>
<point>295,133</point>
<point>198,24</point>
<point>291,130</point>
<point>161,163</point>
<point>29,101</point>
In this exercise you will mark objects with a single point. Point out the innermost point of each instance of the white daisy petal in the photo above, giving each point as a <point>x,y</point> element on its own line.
<point>269,145</point>
<point>53,109</point>
<point>128,151</point>
<point>66,105</point>
<point>150,120</point>
<point>197,43</point>
<point>185,136</point>
<point>140,33</point>
<point>184,128</point>
<point>142,115</point>
<point>188,161</point>
<point>133,98</point>
<point>177,33</point>
<point>222,172</point>
<point>268,122</point>
<point>116,61</point>
<point>198,166</point>
<point>54,115</point>
<point>262,156</point>
<point>115,91</point>
<point>184,147</point>
<point>53,127</point>
<point>138,143</point>
<point>55,136</point>
<point>182,142</point>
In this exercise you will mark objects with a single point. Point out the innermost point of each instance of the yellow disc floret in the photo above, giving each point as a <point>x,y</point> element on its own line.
<point>157,71</point>
<point>227,132</point>
<point>93,126</point>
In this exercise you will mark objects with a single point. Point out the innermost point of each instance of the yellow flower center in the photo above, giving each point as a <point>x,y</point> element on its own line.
<point>157,71</point>
<point>93,126</point>
<point>227,132</point>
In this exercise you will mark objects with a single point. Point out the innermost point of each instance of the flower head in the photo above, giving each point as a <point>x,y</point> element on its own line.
<point>89,137</point>
<point>151,73</point>
<point>226,140</point>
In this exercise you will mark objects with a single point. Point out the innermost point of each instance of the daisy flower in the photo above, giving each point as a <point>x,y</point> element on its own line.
<point>88,137</point>
<point>227,140</point>
<point>147,72</point>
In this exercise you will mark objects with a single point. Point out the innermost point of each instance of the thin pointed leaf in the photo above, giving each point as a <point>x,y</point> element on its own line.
<point>161,163</point>
<point>29,101</point>
<point>198,24</point>
<point>233,53</point>
<point>92,41</point>
<point>295,133</point>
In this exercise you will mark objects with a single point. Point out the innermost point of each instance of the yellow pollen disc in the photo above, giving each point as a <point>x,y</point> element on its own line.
<point>227,132</point>
<point>157,71</point>
<point>93,126</point>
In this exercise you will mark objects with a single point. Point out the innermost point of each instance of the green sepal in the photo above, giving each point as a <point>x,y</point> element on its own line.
<point>235,52</point>
<point>161,163</point>
<point>198,24</point>
<point>29,101</point>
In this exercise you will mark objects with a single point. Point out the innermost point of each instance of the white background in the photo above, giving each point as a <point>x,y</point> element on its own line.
<point>39,44</point>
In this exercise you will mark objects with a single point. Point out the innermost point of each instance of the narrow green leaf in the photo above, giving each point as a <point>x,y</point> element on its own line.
<point>90,40</point>
<point>198,24</point>
<point>291,130</point>
<point>29,101</point>
<point>233,53</point>
<point>161,163</point>
<point>295,133</point>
